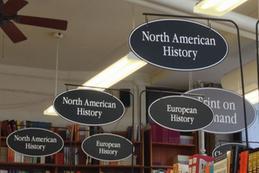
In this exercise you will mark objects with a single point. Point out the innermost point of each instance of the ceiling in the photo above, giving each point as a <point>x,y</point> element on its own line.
<point>97,36</point>
<point>92,26</point>
<point>97,32</point>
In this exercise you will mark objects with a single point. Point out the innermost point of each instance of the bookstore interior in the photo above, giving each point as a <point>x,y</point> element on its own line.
<point>91,79</point>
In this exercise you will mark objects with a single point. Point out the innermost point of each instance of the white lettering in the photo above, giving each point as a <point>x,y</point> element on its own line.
<point>146,36</point>
<point>90,113</point>
<point>182,119</point>
<point>69,101</point>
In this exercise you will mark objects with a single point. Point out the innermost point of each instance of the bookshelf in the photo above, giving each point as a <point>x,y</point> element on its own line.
<point>161,153</point>
<point>71,159</point>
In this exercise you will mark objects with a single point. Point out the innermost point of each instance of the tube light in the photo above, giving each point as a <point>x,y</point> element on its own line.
<point>216,7</point>
<point>50,111</point>
<point>116,72</point>
<point>252,96</point>
<point>110,76</point>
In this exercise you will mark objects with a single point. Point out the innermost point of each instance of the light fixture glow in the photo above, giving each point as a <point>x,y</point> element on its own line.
<point>116,72</point>
<point>216,7</point>
<point>50,111</point>
<point>112,74</point>
<point>252,96</point>
<point>209,3</point>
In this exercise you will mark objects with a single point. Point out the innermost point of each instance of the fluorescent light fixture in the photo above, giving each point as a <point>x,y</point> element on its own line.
<point>112,74</point>
<point>50,111</point>
<point>116,72</point>
<point>216,7</point>
<point>252,96</point>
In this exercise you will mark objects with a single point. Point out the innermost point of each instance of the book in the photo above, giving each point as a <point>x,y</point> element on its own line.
<point>3,154</point>
<point>198,162</point>
<point>18,157</point>
<point>10,155</point>
<point>180,168</point>
<point>183,159</point>
<point>156,132</point>
<point>243,161</point>
<point>221,164</point>
<point>39,124</point>
<point>235,157</point>
<point>59,158</point>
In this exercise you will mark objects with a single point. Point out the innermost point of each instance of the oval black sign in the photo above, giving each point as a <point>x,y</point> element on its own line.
<point>35,142</point>
<point>228,110</point>
<point>180,113</point>
<point>178,45</point>
<point>223,148</point>
<point>107,147</point>
<point>89,107</point>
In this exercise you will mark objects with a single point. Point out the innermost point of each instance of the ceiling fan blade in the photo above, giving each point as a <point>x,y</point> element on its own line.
<point>11,7</point>
<point>13,32</point>
<point>42,22</point>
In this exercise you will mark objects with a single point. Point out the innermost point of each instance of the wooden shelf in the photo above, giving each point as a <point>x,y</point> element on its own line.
<point>27,165</point>
<point>172,144</point>
<point>161,166</point>
<point>52,165</point>
<point>121,166</point>
<point>162,155</point>
<point>76,166</point>
<point>61,168</point>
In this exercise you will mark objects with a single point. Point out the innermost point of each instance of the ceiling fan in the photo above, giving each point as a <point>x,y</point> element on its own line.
<point>8,13</point>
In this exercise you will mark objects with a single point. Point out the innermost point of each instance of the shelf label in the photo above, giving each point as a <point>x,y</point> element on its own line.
<point>224,148</point>
<point>178,44</point>
<point>35,142</point>
<point>89,107</point>
<point>228,110</point>
<point>107,147</point>
<point>180,113</point>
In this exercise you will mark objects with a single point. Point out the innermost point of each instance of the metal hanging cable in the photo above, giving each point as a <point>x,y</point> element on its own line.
<point>56,68</point>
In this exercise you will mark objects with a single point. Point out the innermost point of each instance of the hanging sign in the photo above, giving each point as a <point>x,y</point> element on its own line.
<point>228,110</point>
<point>180,113</point>
<point>35,142</point>
<point>89,107</point>
<point>107,147</point>
<point>178,44</point>
<point>224,148</point>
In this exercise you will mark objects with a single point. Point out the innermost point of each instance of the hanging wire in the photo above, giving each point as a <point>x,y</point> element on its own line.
<point>3,46</point>
<point>56,67</point>
<point>133,17</point>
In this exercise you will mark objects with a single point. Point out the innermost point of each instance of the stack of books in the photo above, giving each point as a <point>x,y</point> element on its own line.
<point>160,134</point>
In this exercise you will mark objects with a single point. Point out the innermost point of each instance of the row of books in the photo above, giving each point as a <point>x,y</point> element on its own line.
<point>68,156</point>
<point>36,171</point>
<point>74,156</point>
<point>20,171</point>
<point>8,126</point>
<point>127,161</point>
<point>8,155</point>
<point>236,160</point>
<point>160,134</point>
<point>248,160</point>
<point>72,132</point>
